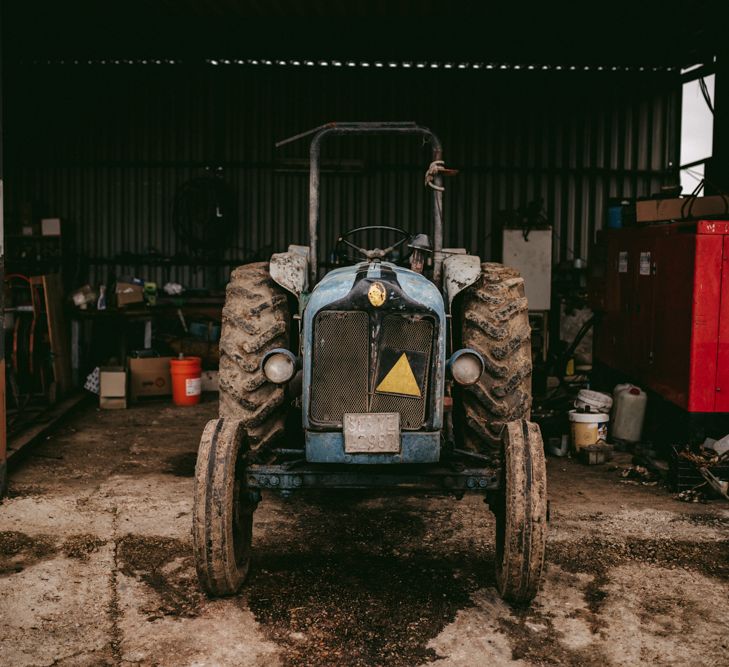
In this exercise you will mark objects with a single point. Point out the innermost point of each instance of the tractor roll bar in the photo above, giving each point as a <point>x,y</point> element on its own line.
<point>368,128</point>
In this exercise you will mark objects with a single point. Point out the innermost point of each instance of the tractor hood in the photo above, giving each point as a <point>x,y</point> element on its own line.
<point>338,284</point>
<point>358,322</point>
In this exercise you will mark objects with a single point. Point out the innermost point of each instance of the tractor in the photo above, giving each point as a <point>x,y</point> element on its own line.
<point>405,369</point>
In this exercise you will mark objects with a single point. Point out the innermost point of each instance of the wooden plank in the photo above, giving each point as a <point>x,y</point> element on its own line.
<point>58,332</point>
<point>43,424</point>
<point>3,430</point>
<point>36,334</point>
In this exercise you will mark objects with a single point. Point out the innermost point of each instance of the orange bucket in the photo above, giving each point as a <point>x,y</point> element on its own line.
<point>185,374</point>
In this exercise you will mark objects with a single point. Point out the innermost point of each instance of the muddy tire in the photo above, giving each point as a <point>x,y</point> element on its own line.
<point>222,518</point>
<point>256,319</point>
<point>520,508</point>
<point>495,322</point>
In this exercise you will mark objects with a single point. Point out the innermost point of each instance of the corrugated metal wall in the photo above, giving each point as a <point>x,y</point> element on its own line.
<point>105,148</point>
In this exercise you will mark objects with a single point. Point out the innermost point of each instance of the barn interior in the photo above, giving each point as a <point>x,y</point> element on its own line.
<point>141,165</point>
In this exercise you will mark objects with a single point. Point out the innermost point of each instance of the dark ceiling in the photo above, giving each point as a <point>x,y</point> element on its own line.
<point>587,33</point>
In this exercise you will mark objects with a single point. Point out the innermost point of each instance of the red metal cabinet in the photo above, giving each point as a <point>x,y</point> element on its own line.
<point>673,258</point>
<point>722,356</point>
<point>665,324</point>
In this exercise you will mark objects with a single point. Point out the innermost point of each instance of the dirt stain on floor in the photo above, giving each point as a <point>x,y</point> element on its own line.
<point>534,639</point>
<point>24,491</point>
<point>82,546</point>
<point>362,588</point>
<point>531,633</point>
<point>18,550</point>
<point>166,566</point>
<point>346,609</point>
<point>596,556</point>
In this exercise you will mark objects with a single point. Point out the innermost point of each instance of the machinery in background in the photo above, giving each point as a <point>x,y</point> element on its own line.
<point>663,323</point>
<point>529,251</point>
<point>526,245</point>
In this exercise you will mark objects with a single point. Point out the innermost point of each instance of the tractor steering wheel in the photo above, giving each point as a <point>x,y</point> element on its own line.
<point>375,253</point>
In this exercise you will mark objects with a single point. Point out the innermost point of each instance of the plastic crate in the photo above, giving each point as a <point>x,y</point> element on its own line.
<point>684,475</point>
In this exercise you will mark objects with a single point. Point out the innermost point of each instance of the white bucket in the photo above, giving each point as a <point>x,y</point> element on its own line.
<point>596,401</point>
<point>588,428</point>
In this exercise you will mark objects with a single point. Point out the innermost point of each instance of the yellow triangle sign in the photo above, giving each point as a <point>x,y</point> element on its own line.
<point>400,380</point>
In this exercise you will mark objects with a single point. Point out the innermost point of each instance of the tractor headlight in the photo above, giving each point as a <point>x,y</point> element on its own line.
<point>279,365</point>
<point>466,366</point>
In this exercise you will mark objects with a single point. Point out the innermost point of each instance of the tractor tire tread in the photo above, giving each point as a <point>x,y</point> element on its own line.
<point>256,319</point>
<point>213,509</point>
<point>522,518</point>
<point>496,324</point>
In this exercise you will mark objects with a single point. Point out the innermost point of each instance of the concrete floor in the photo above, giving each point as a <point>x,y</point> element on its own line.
<point>96,568</point>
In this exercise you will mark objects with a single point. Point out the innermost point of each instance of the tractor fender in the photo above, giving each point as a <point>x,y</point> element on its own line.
<point>290,269</point>
<point>459,272</point>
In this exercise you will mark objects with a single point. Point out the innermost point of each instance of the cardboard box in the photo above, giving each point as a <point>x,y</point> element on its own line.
<point>51,227</point>
<point>662,210</point>
<point>128,293</point>
<point>149,377</point>
<point>112,388</point>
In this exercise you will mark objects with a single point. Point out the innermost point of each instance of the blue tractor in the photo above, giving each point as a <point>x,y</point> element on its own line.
<point>407,368</point>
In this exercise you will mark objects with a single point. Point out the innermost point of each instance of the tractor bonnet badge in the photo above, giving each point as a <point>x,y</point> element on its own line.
<point>377,294</point>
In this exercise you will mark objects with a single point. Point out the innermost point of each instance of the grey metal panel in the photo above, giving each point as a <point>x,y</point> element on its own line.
<point>106,147</point>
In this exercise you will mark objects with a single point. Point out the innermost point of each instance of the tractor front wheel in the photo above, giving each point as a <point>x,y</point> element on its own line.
<point>222,519</point>
<point>520,508</point>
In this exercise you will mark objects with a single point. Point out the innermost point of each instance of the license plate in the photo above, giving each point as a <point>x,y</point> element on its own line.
<point>374,433</point>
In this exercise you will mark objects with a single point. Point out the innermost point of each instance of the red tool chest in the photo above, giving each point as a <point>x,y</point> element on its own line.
<point>665,324</point>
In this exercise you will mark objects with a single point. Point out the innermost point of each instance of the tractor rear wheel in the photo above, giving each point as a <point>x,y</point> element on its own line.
<point>222,518</point>
<point>495,322</point>
<point>520,508</point>
<point>256,319</point>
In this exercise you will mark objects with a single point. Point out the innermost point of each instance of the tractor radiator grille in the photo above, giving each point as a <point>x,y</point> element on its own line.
<point>400,333</point>
<point>341,366</point>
